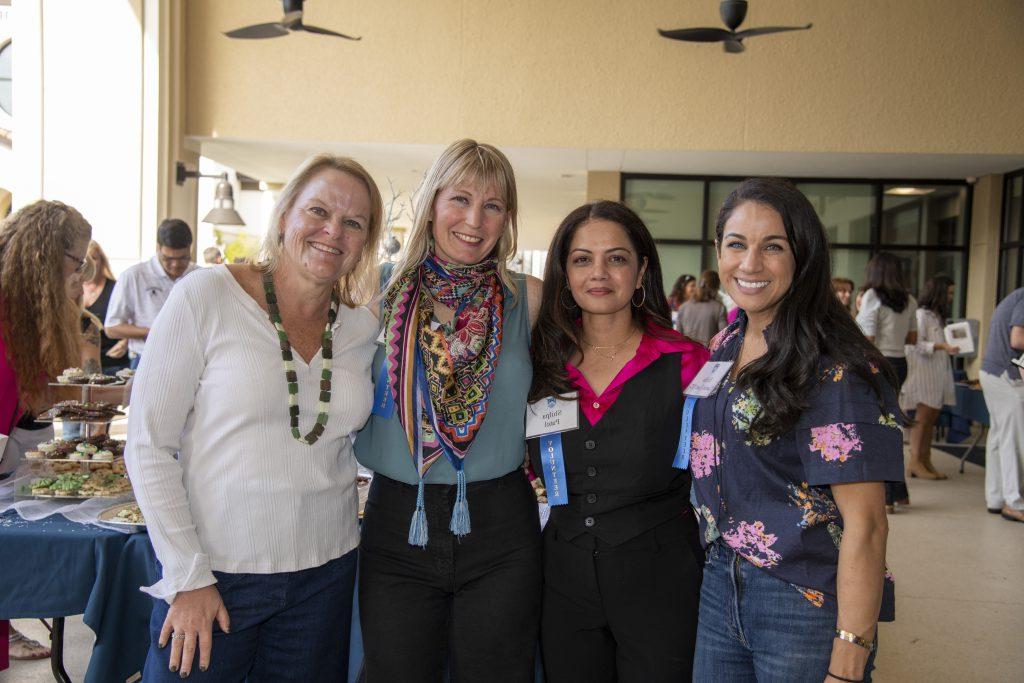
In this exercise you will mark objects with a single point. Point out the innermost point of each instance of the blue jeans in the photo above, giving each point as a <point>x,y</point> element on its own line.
<point>135,360</point>
<point>292,626</point>
<point>755,627</point>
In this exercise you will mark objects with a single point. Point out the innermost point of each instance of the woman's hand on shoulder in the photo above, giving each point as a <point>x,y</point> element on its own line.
<point>534,292</point>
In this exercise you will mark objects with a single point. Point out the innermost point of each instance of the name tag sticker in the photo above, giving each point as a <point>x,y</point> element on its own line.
<point>552,415</point>
<point>708,379</point>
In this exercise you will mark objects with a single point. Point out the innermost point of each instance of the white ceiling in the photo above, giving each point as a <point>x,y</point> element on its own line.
<point>553,181</point>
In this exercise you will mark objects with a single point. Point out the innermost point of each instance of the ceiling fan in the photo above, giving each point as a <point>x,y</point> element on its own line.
<point>292,21</point>
<point>733,13</point>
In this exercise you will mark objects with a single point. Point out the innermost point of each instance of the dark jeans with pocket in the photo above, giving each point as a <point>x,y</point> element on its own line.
<point>469,604</point>
<point>291,626</point>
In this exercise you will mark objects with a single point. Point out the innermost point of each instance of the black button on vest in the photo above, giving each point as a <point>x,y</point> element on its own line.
<point>621,469</point>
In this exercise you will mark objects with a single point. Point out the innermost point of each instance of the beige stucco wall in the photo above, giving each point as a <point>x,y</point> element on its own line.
<point>871,76</point>
<point>983,268</point>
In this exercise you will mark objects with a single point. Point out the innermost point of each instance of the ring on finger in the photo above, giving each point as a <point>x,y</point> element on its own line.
<point>178,636</point>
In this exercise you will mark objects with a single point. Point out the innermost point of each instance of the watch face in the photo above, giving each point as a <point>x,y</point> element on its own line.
<point>5,77</point>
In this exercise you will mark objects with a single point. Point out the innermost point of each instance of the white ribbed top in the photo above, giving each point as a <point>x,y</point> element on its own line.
<point>242,495</point>
<point>888,327</point>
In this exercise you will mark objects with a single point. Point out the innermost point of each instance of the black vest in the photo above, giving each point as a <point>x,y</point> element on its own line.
<point>619,473</point>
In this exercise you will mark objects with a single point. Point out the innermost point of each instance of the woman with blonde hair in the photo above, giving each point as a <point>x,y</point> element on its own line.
<point>450,559</point>
<point>97,290</point>
<point>239,445</point>
<point>42,248</point>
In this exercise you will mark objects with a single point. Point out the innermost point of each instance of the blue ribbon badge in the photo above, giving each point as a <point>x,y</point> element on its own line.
<point>682,460</point>
<point>383,400</point>
<point>553,466</point>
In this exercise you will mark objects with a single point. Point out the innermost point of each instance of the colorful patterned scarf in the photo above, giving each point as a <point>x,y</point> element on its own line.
<point>441,392</point>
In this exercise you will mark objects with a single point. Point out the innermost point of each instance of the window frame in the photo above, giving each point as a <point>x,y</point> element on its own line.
<point>873,246</point>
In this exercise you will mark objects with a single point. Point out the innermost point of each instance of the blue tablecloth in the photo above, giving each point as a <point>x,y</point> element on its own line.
<point>56,568</point>
<point>970,407</point>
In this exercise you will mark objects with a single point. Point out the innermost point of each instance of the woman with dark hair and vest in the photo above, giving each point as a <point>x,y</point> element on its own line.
<point>621,568</point>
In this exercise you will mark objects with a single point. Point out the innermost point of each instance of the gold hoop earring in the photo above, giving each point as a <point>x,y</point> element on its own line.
<point>561,299</point>
<point>643,299</point>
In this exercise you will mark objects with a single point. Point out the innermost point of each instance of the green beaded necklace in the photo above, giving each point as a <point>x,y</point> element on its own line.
<point>327,350</point>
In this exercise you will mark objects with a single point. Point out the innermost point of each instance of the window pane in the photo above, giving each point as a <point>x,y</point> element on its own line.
<point>678,260</point>
<point>934,216</point>
<point>717,192</point>
<point>850,263</point>
<point>672,209</point>
<point>1011,215</point>
<point>919,266</point>
<point>1010,277</point>
<point>844,210</point>
<point>5,78</point>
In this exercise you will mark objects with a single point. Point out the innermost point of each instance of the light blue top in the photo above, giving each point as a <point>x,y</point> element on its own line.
<point>499,446</point>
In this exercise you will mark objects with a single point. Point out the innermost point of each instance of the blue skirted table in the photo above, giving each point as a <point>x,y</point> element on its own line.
<point>56,568</point>
<point>970,407</point>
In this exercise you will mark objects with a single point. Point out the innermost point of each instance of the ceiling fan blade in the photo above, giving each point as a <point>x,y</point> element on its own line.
<point>765,30</point>
<point>271,30</point>
<point>697,35</point>
<point>324,32</point>
<point>733,46</point>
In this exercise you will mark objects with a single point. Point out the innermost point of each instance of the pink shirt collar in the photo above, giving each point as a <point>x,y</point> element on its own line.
<point>650,349</point>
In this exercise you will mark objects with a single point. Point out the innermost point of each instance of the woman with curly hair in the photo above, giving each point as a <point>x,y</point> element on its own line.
<point>42,248</point>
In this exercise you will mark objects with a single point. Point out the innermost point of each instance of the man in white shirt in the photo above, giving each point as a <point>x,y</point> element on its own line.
<point>141,290</point>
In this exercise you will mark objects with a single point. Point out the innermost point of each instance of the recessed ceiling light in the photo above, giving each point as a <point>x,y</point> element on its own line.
<point>910,191</point>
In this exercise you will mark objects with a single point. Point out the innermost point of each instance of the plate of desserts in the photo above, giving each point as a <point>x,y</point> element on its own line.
<point>78,486</point>
<point>79,377</point>
<point>99,448</point>
<point>81,411</point>
<point>124,514</point>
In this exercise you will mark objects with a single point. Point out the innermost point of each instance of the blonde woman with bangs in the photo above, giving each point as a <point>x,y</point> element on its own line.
<point>450,559</point>
<point>239,445</point>
<point>42,250</point>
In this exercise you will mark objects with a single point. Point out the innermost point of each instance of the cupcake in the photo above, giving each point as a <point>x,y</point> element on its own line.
<point>34,455</point>
<point>79,455</point>
<point>72,376</point>
<point>87,448</point>
<point>103,456</point>
<point>46,447</point>
<point>125,374</point>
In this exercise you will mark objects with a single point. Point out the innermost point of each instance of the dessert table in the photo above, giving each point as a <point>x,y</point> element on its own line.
<point>54,567</point>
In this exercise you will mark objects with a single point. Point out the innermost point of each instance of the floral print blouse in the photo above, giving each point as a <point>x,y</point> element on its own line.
<point>769,498</point>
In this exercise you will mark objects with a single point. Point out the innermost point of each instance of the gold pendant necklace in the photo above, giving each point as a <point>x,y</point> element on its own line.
<point>617,347</point>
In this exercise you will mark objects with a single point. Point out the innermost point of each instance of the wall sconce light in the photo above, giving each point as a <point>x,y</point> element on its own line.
<point>223,211</point>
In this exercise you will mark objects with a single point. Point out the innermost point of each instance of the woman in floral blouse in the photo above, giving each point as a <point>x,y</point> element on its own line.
<point>789,457</point>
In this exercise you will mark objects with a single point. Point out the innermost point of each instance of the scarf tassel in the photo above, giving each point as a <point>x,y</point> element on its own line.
<point>418,526</point>
<point>460,513</point>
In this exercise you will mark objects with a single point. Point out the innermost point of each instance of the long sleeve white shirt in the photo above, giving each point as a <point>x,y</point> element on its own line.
<point>888,327</point>
<point>221,481</point>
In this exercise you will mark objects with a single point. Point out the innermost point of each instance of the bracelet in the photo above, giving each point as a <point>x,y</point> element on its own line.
<point>855,639</point>
<point>846,680</point>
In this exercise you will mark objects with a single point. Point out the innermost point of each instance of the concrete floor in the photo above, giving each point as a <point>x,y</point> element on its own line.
<point>959,586</point>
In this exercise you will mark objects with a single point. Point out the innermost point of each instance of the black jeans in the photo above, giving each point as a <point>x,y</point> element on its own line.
<point>897,490</point>
<point>473,602</point>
